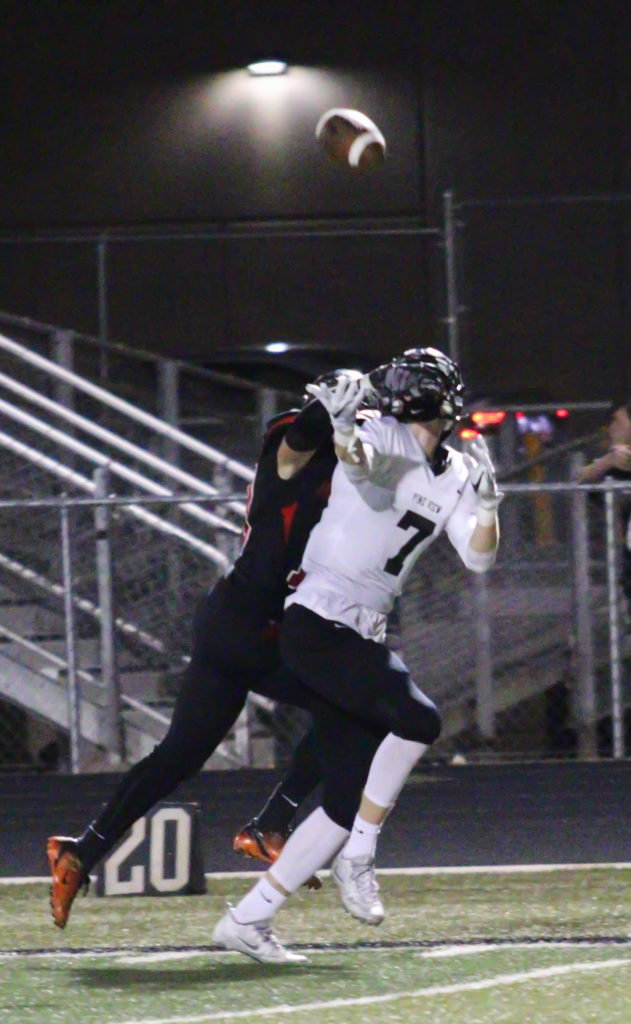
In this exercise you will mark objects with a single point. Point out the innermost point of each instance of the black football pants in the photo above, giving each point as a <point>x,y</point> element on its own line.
<point>233,651</point>
<point>361,692</point>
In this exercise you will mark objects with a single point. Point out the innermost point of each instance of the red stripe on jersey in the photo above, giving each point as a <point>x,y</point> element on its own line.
<point>280,423</point>
<point>324,490</point>
<point>288,512</point>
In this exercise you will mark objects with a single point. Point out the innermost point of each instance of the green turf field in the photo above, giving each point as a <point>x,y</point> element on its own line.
<point>474,948</point>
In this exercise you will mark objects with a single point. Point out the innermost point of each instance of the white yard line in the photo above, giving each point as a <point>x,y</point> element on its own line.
<point>441,952</point>
<point>523,977</point>
<point>157,958</point>
<point>491,869</point>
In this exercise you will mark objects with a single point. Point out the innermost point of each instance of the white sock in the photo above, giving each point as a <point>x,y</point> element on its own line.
<point>362,841</point>
<point>309,847</point>
<point>260,904</point>
<point>390,768</point>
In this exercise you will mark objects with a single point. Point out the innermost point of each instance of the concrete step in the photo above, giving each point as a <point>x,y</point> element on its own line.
<point>47,698</point>
<point>86,651</point>
<point>30,619</point>
<point>142,684</point>
<point>9,593</point>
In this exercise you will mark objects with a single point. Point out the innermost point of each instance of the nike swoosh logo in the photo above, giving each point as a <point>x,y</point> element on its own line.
<point>265,898</point>
<point>476,486</point>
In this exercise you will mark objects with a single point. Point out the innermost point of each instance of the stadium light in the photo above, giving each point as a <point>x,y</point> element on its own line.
<point>277,347</point>
<point>267,67</point>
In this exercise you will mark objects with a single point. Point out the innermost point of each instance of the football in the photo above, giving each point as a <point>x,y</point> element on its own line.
<point>351,140</point>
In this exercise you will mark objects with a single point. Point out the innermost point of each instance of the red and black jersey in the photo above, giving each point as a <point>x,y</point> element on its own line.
<point>280,517</point>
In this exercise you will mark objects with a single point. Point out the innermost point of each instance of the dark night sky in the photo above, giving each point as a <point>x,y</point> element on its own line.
<point>495,100</point>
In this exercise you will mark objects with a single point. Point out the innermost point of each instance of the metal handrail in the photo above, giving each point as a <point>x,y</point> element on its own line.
<point>117,468</point>
<point>44,653</point>
<point>109,437</point>
<point>83,483</point>
<point>26,323</point>
<point>83,604</point>
<point>133,412</point>
<point>61,663</point>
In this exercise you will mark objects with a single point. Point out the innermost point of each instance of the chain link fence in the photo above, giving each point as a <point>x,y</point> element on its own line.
<point>533,659</point>
<point>530,661</point>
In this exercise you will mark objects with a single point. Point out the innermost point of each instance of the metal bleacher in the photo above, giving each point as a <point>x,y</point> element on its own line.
<point>60,428</point>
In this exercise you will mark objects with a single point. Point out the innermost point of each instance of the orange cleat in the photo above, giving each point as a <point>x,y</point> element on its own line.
<point>265,846</point>
<point>67,877</point>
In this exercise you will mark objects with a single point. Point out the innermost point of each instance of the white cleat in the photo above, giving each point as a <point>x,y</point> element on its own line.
<point>359,888</point>
<point>256,940</point>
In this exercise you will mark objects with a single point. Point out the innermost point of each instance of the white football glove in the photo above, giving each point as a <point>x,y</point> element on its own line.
<point>341,402</point>
<point>482,476</point>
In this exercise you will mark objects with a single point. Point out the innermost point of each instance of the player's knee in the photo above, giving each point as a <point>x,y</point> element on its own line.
<point>433,726</point>
<point>340,809</point>
<point>342,792</point>
<point>422,724</point>
<point>425,714</point>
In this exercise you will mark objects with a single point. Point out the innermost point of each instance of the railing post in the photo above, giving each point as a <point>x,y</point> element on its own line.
<point>585,699</point>
<point>451,277</point>
<point>62,343</point>
<point>101,258</point>
<point>109,666</point>
<point>74,710</point>
<point>267,407</point>
<point>169,405</point>
<point>485,700</point>
<point>615,667</point>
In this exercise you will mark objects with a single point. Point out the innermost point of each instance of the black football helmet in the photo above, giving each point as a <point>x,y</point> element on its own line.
<point>423,384</point>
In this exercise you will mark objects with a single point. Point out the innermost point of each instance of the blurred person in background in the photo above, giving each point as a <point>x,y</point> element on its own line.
<point>615,463</point>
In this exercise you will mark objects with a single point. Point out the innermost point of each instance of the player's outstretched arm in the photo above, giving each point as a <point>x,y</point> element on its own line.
<point>486,534</point>
<point>341,403</point>
<point>362,465</point>
<point>310,429</point>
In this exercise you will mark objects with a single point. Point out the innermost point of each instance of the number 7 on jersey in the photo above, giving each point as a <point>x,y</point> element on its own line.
<point>424,528</point>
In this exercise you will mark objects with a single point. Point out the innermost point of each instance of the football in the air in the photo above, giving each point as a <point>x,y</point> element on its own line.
<point>351,140</point>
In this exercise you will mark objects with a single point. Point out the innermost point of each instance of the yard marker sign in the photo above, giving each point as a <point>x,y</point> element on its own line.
<point>160,855</point>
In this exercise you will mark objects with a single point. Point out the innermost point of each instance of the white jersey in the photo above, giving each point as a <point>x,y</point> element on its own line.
<point>358,558</point>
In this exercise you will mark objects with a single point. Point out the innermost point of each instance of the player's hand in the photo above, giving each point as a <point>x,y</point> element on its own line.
<point>341,402</point>
<point>482,475</point>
